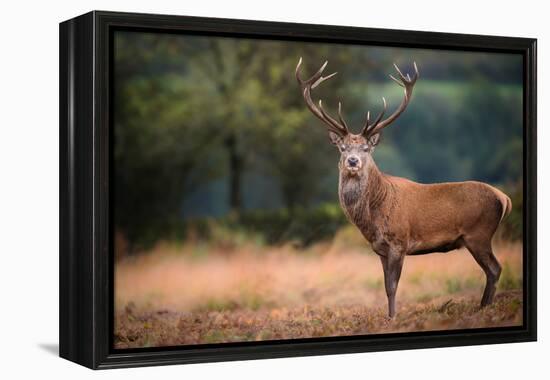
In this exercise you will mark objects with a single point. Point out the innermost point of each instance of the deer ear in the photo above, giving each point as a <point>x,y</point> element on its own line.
<point>374,139</point>
<point>335,139</point>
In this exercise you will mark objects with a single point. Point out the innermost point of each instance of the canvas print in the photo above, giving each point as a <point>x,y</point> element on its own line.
<point>273,190</point>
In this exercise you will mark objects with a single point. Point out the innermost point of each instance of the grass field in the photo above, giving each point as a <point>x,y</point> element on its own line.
<point>196,293</point>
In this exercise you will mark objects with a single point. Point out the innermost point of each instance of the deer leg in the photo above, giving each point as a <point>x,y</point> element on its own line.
<point>392,266</point>
<point>483,254</point>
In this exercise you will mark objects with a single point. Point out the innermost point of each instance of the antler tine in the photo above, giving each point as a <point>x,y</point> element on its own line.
<point>297,71</point>
<point>339,126</point>
<point>299,67</point>
<point>340,115</point>
<point>397,81</point>
<point>399,71</point>
<point>330,120</point>
<point>405,79</point>
<point>315,80</point>
<point>318,75</point>
<point>407,82</point>
<point>368,127</point>
<point>322,79</point>
<point>381,114</point>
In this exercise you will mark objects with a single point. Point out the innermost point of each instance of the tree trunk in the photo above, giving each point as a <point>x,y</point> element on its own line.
<point>235,174</point>
<point>289,196</point>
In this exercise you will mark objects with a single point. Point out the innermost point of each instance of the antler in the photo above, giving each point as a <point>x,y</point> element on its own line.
<point>408,84</point>
<point>339,127</point>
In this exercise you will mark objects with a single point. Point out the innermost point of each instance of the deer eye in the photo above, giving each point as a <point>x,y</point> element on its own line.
<point>365,148</point>
<point>343,147</point>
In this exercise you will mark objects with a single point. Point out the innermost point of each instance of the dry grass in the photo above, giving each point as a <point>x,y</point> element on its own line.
<point>200,294</point>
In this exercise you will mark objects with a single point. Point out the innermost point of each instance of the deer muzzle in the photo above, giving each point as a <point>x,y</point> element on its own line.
<point>353,164</point>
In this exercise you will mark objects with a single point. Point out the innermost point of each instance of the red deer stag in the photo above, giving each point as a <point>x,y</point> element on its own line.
<point>400,217</point>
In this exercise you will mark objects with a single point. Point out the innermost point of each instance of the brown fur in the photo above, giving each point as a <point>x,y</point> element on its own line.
<point>400,217</point>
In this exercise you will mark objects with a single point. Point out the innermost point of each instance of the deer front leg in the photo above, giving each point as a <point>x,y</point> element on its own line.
<point>392,265</point>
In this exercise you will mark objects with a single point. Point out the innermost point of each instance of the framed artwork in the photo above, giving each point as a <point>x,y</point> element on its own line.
<point>224,195</point>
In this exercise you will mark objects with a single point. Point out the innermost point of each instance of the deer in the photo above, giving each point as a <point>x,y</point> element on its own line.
<point>397,216</point>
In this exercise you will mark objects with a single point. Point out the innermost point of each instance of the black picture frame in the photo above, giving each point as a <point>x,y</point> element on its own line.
<point>86,257</point>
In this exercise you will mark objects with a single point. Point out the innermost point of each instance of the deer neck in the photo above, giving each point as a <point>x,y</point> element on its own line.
<point>362,196</point>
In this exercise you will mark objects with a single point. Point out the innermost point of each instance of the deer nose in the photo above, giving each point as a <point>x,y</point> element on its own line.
<point>353,161</point>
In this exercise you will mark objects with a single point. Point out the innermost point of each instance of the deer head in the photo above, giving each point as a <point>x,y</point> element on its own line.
<point>355,149</point>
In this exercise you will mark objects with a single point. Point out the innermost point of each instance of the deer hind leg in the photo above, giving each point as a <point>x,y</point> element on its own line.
<point>392,266</point>
<point>482,252</point>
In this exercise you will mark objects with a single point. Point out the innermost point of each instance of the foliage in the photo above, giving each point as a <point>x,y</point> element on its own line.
<point>512,226</point>
<point>216,128</point>
<point>301,226</point>
<point>509,279</point>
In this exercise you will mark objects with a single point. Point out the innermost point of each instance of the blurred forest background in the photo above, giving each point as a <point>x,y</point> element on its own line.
<point>228,226</point>
<point>215,131</point>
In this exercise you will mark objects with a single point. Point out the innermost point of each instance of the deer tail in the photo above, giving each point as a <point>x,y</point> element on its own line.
<point>506,204</point>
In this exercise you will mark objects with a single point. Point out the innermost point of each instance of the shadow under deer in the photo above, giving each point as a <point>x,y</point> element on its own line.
<point>400,217</point>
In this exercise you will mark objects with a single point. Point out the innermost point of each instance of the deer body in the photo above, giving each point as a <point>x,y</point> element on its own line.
<point>430,221</point>
<point>400,217</point>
